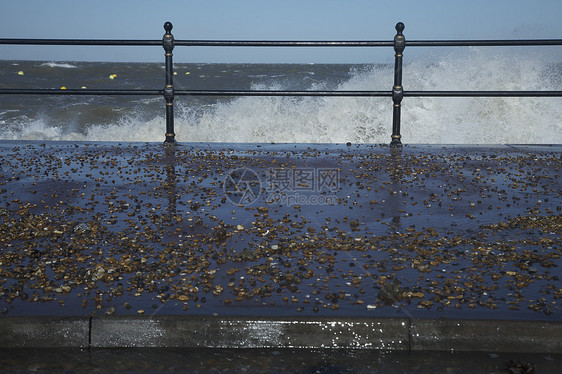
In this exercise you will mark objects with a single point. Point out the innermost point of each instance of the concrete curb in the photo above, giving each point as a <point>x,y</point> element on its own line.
<point>220,332</point>
<point>486,335</point>
<point>44,332</point>
<point>236,332</point>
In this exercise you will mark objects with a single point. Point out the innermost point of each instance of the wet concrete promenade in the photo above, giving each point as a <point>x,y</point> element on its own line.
<point>281,246</point>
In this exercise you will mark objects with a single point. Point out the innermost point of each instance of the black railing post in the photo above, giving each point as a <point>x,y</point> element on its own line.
<point>397,89</point>
<point>168,44</point>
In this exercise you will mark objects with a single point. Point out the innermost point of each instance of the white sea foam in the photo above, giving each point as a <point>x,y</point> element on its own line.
<point>64,65</point>
<point>367,120</point>
<point>424,120</point>
<point>33,130</point>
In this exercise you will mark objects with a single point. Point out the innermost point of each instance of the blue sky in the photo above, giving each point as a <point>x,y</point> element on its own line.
<point>265,20</point>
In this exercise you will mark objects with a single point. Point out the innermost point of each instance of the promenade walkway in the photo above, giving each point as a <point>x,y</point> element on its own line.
<point>431,247</point>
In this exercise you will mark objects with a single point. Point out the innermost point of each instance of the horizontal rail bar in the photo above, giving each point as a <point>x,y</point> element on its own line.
<point>53,91</point>
<point>82,92</point>
<point>284,43</point>
<point>476,43</point>
<point>483,93</point>
<point>280,93</point>
<point>81,42</point>
<point>281,43</point>
<point>202,43</point>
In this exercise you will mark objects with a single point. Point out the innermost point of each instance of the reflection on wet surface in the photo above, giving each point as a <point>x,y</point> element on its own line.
<point>298,229</point>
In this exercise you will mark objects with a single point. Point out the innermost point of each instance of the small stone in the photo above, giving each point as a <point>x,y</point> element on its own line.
<point>82,228</point>
<point>390,292</point>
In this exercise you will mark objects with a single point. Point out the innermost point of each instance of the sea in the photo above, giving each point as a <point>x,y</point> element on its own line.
<point>427,120</point>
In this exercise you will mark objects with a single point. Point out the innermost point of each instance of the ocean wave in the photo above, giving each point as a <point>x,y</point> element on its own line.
<point>63,65</point>
<point>493,120</point>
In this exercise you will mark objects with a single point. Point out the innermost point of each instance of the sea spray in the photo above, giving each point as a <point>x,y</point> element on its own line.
<point>489,119</point>
<point>424,120</point>
<point>307,119</point>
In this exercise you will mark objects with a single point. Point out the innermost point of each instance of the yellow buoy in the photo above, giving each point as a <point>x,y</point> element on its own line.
<point>113,76</point>
<point>63,88</point>
<point>20,72</point>
<point>83,87</point>
<point>175,73</point>
<point>187,73</point>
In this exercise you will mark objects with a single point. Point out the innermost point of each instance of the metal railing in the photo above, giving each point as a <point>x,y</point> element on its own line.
<point>397,93</point>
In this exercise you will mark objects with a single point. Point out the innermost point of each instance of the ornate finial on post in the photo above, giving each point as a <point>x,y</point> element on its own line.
<point>168,38</point>
<point>397,89</point>
<point>168,44</point>
<point>399,28</point>
<point>168,27</point>
<point>399,40</point>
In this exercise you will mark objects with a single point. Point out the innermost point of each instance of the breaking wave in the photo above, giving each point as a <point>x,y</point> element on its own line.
<point>357,120</point>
